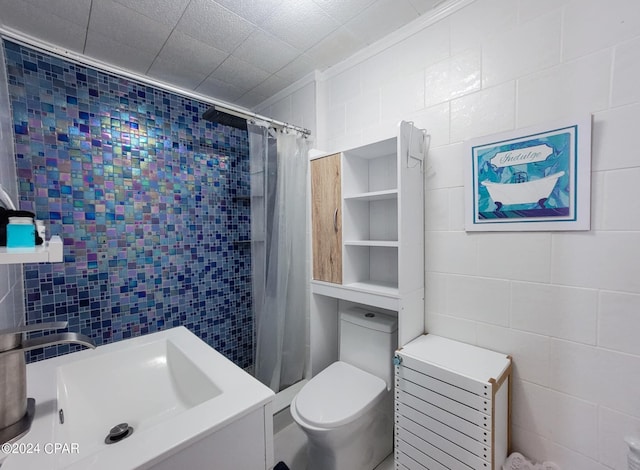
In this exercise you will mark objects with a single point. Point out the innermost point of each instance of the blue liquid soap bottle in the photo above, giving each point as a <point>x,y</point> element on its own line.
<point>21,232</point>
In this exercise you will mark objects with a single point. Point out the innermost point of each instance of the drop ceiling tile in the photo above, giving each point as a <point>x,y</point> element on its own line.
<point>115,53</point>
<point>76,11</point>
<point>251,99</point>
<point>187,52</point>
<point>127,26</point>
<point>300,23</point>
<point>254,11</point>
<point>215,25</point>
<point>167,12</point>
<point>266,51</point>
<point>220,90</point>
<point>336,47</point>
<point>43,25</point>
<point>381,18</point>
<point>343,11</point>
<point>242,74</point>
<point>177,74</point>
<point>270,86</point>
<point>297,68</point>
<point>272,42</point>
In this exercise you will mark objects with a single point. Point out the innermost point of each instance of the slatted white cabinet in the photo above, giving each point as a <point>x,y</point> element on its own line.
<point>451,406</point>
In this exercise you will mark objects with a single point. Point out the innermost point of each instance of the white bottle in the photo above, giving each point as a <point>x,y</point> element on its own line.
<point>42,230</point>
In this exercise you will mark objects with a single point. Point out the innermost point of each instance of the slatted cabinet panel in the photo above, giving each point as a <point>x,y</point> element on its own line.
<point>451,406</point>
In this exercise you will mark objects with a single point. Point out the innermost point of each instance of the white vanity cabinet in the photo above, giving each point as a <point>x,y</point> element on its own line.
<point>451,406</point>
<point>367,234</point>
<point>246,442</point>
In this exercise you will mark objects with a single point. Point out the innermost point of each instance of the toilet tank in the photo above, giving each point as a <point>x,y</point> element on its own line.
<point>368,340</point>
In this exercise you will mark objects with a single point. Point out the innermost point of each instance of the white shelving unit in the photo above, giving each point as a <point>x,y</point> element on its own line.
<point>49,252</point>
<point>379,220</point>
<point>370,216</point>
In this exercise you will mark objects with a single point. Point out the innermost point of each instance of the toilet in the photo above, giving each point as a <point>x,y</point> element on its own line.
<point>346,410</point>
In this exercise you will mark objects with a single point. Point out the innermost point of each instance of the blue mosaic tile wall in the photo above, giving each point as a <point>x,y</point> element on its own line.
<point>148,198</point>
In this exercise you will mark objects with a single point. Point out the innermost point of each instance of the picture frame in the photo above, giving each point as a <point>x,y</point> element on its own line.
<point>532,179</point>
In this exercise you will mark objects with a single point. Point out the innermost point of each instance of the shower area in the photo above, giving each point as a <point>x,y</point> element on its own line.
<point>278,168</point>
<point>169,217</point>
<point>276,200</point>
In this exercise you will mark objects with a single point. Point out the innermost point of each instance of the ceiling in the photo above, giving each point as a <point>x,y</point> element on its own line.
<point>238,51</point>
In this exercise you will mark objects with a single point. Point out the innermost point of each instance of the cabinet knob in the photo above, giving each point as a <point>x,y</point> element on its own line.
<point>397,360</point>
<point>335,220</point>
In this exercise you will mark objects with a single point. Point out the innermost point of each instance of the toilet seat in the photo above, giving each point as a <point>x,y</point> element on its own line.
<point>339,394</point>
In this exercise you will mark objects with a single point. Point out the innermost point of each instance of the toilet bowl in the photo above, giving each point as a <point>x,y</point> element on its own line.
<point>346,410</point>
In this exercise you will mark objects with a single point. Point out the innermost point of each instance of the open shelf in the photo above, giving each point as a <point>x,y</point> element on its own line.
<point>367,293</point>
<point>49,252</point>
<point>370,219</point>
<point>379,287</point>
<point>373,195</point>
<point>371,263</point>
<point>382,243</point>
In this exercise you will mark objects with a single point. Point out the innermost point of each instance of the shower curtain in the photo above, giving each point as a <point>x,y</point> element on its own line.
<point>278,167</point>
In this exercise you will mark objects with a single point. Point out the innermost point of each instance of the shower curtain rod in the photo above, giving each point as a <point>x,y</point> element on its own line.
<point>248,115</point>
<point>30,41</point>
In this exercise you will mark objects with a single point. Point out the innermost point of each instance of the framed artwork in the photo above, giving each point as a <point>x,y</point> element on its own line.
<point>537,178</point>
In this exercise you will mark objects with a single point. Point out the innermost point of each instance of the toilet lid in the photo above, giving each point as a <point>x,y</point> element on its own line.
<point>337,395</point>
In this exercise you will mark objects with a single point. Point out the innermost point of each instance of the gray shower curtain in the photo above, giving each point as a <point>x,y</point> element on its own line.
<point>279,254</point>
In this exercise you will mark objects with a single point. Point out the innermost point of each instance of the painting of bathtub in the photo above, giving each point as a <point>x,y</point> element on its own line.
<point>536,191</point>
<point>530,179</point>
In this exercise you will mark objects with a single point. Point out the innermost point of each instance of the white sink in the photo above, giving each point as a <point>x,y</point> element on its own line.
<point>170,387</point>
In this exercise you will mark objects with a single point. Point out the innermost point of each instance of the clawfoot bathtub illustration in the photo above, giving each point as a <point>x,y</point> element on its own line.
<point>527,192</point>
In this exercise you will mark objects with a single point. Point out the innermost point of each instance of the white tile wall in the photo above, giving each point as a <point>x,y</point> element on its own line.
<point>622,199</point>
<point>363,110</point>
<point>552,310</point>
<point>481,20</point>
<point>530,9</point>
<point>565,305</point>
<point>616,21</point>
<point>611,148</point>
<point>563,91</point>
<point>403,96</point>
<point>451,252</point>
<point>488,111</point>
<point>598,260</point>
<point>484,300</point>
<point>626,73</point>
<point>437,202</point>
<point>619,322</point>
<point>453,77</point>
<point>530,352</point>
<point>503,256</point>
<point>517,52</point>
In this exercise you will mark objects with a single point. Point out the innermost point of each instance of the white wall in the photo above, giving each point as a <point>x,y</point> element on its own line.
<point>565,305</point>
<point>295,105</point>
<point>11,287</point>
